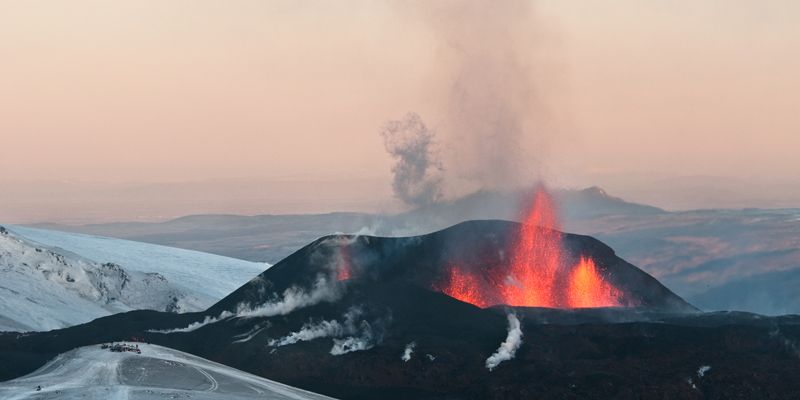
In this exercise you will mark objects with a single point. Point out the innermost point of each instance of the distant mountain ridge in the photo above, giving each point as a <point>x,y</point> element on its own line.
<point>270,238</point>
<point>691,252</point>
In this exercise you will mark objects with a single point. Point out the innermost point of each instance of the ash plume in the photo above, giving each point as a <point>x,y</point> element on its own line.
<point>492,71</point>
<point>408,350</point>
<point>417,171</point>
<point>509,347</point>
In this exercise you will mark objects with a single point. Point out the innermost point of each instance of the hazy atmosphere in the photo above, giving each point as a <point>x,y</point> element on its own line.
<point>148,110</point>
<point>399,199</point>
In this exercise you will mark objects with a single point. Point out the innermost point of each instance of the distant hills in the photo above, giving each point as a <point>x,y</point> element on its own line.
<point>692,252</point>
<point>271,237</point>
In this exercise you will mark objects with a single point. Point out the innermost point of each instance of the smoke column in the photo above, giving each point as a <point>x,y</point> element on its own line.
<point>408,351</point>
<point>509,347</point>
<point>365,341</point>
<point>417,172</point>
<point>322,329</point>
<point>490,74</point>
<point>293,298</point>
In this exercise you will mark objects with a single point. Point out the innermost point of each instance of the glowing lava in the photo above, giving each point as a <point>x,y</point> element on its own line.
<point>536,257</point>
<point>343,268</point>
<point>536,275</point>
<point>588,289</point>
<point>464,286</point>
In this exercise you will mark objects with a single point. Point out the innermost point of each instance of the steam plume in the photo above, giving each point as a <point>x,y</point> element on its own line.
<point>509,347</point>
<point>408,350</point>
<point>195,325</point>
<point>320,330</point>
<point>294,298</point>
<point>350,344</point>
<point>417,172</point>
<point>489,81</point>
<point>310,332</point>
<point>367,337</point>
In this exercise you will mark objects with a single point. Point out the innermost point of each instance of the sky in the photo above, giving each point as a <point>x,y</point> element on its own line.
<point>682,104</point>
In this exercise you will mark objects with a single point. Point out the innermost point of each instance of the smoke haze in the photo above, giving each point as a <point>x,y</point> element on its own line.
<point>487,83</point>
<point>417,171</point>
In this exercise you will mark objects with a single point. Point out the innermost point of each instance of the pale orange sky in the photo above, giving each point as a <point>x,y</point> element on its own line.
<point>160,91</point>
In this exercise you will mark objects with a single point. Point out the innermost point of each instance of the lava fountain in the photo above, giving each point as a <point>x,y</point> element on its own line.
<point>535,274</point>
<point>588,289</point>
<point>344,269</point>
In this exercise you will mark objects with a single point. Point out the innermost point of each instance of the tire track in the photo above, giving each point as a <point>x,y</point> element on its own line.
<point>214,383</point>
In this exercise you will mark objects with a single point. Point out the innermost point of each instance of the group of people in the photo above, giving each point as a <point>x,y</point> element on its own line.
<point>121,347</point>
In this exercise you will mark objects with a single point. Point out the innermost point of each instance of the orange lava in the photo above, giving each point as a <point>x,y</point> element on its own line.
<point>588,289</point>
<point>536,275</point>
<point>536,257</point>
<point>343,269</point>
<point>464,286</point>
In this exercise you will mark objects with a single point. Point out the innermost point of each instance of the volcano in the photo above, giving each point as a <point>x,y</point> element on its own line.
<point>474,262</point>
<point>485,263</point>
<point>362,317</point>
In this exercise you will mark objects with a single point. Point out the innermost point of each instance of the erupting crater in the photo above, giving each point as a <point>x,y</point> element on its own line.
<point>537,272</point>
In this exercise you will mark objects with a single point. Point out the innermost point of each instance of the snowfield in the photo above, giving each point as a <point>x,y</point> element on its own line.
<point>51,280</point>
<point>157,373</point>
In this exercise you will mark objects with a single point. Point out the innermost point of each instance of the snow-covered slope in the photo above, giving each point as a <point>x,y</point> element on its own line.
<point>207,276</point>
<point>157,373</point>
<point>51,279</point>
<point>43,289</point>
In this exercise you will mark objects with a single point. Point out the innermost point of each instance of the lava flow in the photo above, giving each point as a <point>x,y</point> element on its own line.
<point>465,286</point>
<point>536,275</point>
<point>343,268</point>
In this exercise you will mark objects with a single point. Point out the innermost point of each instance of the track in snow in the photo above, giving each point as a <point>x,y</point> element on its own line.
<point>159,372</point>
